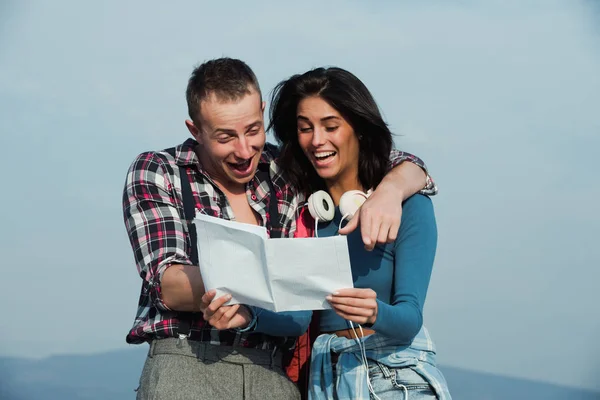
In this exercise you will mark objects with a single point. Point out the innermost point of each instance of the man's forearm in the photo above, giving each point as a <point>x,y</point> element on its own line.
<point>406,179</point>
<point>182,288</point>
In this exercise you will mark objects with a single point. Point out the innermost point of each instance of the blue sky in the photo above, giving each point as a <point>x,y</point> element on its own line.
<point>501,99</point>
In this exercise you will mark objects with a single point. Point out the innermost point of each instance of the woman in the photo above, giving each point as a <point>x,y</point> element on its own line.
<point>334,139</point>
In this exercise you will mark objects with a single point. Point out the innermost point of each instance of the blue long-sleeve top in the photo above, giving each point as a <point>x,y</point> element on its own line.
<point>398,272</point>
<point>288,323</point>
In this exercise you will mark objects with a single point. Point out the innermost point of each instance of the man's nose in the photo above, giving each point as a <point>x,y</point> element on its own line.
<point>243,149</point>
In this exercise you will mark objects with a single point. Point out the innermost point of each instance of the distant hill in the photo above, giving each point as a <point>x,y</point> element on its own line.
<point>114,375</point>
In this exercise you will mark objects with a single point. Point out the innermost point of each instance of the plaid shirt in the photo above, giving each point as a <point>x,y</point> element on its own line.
<point>153,213</point>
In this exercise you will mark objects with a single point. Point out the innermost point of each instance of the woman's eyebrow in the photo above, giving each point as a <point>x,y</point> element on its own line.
<point>328,118</point>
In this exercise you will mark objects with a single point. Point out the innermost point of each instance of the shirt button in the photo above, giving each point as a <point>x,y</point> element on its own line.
<point>254,197</point>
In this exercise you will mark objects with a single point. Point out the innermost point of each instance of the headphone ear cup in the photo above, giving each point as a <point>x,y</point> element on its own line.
<point>351,201</point>
<point>320,206</point>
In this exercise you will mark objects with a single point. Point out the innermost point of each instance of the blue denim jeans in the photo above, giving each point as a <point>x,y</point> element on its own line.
<point>397,383</point>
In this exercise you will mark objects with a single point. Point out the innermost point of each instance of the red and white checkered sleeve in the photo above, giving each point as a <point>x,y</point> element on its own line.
<point>397,157</point>
<point>153,221</point>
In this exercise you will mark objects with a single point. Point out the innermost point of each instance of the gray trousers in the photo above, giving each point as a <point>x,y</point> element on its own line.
<point>196,370</point>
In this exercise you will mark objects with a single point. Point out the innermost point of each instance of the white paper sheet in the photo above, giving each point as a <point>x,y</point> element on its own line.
<point>274,274</point>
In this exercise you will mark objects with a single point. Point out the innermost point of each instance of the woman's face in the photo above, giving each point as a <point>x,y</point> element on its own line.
<point>328,140</point>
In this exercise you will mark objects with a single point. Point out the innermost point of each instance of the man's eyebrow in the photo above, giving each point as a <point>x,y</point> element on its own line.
<point>224,130</point>
<point>252,125</point>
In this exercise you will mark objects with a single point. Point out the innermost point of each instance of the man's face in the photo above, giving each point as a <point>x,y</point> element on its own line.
<point>231,137</point>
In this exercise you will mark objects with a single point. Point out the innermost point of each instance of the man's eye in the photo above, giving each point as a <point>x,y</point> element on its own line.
<point>223,139</point>
<point>253,131</point>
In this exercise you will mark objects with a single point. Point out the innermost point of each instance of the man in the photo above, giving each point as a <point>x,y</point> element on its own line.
<point>227,171</point>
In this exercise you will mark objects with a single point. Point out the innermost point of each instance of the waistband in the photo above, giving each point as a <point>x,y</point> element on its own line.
<point>204,351</point>
<point>353,333</point>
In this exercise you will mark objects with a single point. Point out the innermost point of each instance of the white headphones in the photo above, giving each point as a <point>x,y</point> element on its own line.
<point>321,208</point>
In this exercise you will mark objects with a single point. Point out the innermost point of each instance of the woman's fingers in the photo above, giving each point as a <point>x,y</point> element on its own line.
<point>207,298</point>
<point>214,308</point>
<point>356,305</point>
<point>356,311</point>
<point>229,314</point>
<point>352,302</point>
<point>355,292</point>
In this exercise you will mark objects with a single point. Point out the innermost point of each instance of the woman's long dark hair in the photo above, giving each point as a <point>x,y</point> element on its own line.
<point>351,98</point>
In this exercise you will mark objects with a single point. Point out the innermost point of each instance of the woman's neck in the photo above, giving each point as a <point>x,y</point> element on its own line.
<point>340,186</point>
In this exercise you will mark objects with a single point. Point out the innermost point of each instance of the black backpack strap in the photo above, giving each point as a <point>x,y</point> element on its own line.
<point>189,213</point>
<point>274,221</point>
<point>189,207</point>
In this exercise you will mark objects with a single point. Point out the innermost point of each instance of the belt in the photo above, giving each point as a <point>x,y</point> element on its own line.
<point>348,334</point>
<point>353,334</point>
<point>213,353</point>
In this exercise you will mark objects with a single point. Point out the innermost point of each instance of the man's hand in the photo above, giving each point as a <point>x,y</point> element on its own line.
<point>224,317</point>
<point>379,217</point>
<point>356,305</point>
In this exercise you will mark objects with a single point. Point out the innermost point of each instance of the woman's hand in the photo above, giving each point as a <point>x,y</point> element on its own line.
<point>356,305</point>
<point>224,317</point>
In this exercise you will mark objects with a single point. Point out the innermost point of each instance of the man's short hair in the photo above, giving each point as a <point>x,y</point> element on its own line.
<point>227,78</point>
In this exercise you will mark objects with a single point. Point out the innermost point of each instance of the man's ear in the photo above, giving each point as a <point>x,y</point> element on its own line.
<point>193,130</point>
<point>262,107</point>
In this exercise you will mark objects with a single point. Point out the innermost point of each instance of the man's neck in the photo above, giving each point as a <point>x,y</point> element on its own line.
<point>231,189</point>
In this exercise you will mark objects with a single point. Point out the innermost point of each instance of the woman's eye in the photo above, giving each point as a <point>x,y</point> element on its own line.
<point>331,128</point>
<point>304,130</point>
